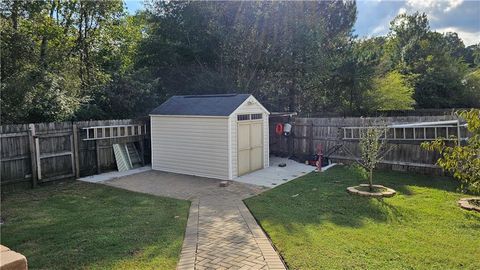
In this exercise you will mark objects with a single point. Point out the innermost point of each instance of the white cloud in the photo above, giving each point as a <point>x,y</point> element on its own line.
<point>433,5</point>
<point>469,38</point>
<point>380,29</point>
<point>401,11</point>
<point>452,4</point>
<point>460,16</point>
<point>422,4</point>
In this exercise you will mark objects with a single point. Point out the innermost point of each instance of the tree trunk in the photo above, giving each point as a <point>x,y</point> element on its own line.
<point>80,45</point>
<point>370,180</point>
<point>44,44</point>
<point>14,16</point>
<point>292,96</point>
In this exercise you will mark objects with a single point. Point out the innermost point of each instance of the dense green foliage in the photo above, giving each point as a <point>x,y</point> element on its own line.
<point>462,160</point>
<point>65,60</point>
<point>76,225</point>
<point>435,62</point>
<point>392,92</point>
<point>315,224</point>
<point>279,51</point>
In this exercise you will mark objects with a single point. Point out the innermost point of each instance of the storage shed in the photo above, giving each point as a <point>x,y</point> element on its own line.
<point>216,136</point>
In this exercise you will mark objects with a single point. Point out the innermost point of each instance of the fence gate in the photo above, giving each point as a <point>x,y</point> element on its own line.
<point>54,155</point>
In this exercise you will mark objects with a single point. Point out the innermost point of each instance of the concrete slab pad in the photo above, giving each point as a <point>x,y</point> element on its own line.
<point>113,175</point>
<point>182,186</point>
<point>328,167</point>
<point>274,175</point>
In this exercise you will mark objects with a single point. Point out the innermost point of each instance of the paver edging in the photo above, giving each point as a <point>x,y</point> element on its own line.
<point>385,194</point>
<point>466,203</point>
<point>189,253</point>
<point>263,237</point>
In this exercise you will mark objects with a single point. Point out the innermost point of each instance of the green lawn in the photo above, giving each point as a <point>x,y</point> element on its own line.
<point>324,227</point>
<point>75,225</point>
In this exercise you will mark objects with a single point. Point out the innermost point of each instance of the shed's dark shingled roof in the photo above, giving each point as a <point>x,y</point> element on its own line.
<point>208,105</point>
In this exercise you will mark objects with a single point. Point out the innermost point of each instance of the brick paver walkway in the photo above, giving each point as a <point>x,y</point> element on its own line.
<point>221,233</point>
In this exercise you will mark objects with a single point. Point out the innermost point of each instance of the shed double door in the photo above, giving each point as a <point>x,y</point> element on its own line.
<point>250,146</point>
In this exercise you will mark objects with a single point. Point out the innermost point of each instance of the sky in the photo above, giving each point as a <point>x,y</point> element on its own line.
<point>460,16</point>
<point>374,16</point>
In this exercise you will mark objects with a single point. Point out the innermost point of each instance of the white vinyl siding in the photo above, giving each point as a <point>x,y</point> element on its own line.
<point>191,145</point>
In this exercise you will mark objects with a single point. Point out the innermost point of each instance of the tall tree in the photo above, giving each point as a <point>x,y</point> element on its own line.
<point>433,61</point>
<point>283,52</point>
<point>55,56</point>
<point>64,60</point>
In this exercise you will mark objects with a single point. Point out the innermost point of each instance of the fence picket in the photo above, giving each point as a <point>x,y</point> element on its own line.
<point>406,155</point>
<point>64,153</point>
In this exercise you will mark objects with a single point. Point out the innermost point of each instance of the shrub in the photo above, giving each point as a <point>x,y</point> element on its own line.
<point>462,160</point>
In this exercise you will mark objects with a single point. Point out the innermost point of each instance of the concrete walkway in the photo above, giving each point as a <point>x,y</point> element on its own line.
<point>97,178</point>
<point>221,233</point>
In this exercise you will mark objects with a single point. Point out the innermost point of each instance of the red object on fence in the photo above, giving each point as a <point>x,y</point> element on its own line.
<point>279,128</point>
<point>320,157</point>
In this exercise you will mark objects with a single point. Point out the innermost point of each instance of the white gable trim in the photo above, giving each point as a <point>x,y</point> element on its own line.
<point>249,99</point>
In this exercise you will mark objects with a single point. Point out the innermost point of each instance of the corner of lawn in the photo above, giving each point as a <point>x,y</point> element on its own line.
<point>314,223</point>
<point>71,225</point>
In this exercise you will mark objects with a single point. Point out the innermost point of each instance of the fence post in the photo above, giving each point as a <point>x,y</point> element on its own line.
<point>75,150</point>
<point>37,157</point>
<point>97,148</point>
<point>33,158</point>
<point>311,142</point>
<point>142,148</point>
<point>459,135</point>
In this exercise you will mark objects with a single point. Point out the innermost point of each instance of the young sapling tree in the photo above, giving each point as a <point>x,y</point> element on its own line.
<point>373,147</point>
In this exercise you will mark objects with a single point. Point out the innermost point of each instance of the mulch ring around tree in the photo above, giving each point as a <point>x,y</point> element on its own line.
<point>470,203</point>
<point>378,191</point>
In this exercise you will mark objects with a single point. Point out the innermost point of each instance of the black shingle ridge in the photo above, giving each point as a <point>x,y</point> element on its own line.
<point>207,105</point>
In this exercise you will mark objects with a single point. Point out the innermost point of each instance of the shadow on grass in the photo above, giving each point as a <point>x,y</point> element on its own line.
<point>77,225</point>
<point>322,198</point>
<point>316,224</point>
<point>474,217</point>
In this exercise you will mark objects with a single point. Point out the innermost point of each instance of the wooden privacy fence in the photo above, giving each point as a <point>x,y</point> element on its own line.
<point>340,145</point>
<point>43,152</point>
